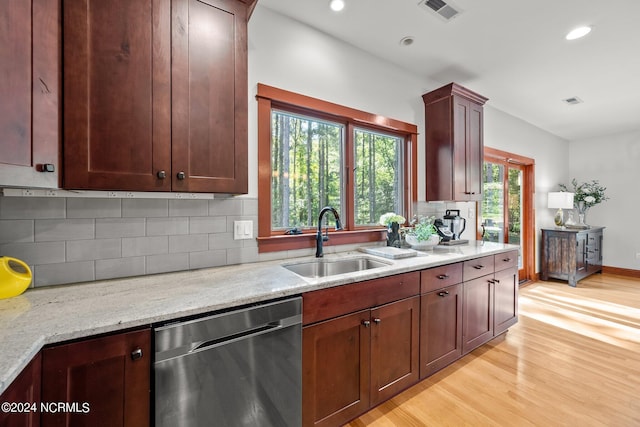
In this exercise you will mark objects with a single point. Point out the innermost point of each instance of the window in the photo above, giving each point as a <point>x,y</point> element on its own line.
<point>312,153</point>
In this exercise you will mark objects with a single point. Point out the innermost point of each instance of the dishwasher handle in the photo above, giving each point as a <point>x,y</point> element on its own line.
<point>249,333</point>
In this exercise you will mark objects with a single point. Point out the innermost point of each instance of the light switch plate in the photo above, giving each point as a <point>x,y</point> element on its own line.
<point>242,230</point>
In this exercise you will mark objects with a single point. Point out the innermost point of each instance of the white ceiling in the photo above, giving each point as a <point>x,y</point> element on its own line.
<point>511,51</point>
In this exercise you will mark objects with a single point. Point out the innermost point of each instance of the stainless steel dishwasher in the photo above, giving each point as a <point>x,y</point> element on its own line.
<point>238,368</point>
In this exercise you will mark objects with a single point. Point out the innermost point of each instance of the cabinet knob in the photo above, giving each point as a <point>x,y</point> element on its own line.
<point>366,323</point>
<point>496,281</point>
<point>377,320</point>
<point>478,267</point>
<point>181,175</point>
<point>136,354</point>
<point>162,174</point>
<point>442,276</point>
<point>443,293</point>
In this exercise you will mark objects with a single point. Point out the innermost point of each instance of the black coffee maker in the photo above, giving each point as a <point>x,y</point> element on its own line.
<point>450,227</point>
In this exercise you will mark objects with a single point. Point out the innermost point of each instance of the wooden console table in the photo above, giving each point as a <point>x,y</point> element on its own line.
<point>569,254</point>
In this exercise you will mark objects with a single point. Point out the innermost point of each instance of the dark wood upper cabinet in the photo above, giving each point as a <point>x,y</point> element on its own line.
<point>117,94</point>
<point>209,91</point>
<point>29,93</point>
<point>454,143</point>
<point>155,95</point>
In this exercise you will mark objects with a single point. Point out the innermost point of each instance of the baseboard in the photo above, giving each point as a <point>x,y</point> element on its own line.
<point>628,272</point>
<point>621,271</point>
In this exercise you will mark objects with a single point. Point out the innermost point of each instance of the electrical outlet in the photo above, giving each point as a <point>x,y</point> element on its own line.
<point>51,193</point>
<point>637,255</point>
<point>112,194</point>
<point>27,192</point>
<point>472,213</point>
<point>131,195</point>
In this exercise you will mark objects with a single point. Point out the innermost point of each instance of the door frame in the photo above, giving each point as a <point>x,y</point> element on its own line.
<point>528,207</point>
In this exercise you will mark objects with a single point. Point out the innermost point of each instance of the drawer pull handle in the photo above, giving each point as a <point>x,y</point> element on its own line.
<point>478,267</point>
<point>506,259</point>
<point>376,320</point>
<point>136,354</point>
<point>366,323</point>
<point>496,281</point>
<point>443,276</point>
<point>443,294</point>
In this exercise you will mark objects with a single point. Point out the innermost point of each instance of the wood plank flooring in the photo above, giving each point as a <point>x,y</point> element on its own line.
<point>573,359</point>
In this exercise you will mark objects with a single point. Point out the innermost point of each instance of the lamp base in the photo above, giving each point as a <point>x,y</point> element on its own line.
<point>559,218</point>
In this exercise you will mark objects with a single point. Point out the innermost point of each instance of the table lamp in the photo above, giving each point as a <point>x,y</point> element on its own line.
<point>560,200</point>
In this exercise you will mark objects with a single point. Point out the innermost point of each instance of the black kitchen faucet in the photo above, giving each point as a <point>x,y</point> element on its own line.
<point>319,237</point>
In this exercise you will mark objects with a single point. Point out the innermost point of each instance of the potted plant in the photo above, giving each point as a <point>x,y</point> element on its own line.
<point>423,235</point>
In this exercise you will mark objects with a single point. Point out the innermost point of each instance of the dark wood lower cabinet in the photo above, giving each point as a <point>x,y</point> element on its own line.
<point>394,348</point>
<point>335,382</point>
<point>505,300</point>
<point>477,312</point>
<point>440,329</point>
<point>354,362</point>
<point>25,389</point>
<point>106,381</point>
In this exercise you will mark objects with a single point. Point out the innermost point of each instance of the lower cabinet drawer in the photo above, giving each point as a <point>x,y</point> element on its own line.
<point>506,260</point>
<point>440,277</point>
<point>478,267</point>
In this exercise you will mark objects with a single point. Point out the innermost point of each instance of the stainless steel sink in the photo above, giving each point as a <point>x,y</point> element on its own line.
<point>324,267</point>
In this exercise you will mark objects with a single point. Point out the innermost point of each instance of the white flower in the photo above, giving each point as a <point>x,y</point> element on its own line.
<point>589,199</point>
<point>390,217</point>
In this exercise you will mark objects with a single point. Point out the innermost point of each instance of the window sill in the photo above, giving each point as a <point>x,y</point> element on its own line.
<point>308,240</point>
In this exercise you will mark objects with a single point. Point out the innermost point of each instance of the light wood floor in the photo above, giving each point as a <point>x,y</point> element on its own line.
<point>573,359</point>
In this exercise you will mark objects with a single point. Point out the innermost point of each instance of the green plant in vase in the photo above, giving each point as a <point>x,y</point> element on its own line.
<point>585,196</point>
<point>423,234</point>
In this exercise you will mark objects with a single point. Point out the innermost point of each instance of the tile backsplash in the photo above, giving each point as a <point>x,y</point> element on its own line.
<point>76,239</point>
<point>69,240</point>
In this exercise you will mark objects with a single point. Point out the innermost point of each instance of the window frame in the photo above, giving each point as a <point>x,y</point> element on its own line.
<point>269,98</point>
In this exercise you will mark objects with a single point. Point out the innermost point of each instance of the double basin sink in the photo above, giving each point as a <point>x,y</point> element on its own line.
<point>323,268</point>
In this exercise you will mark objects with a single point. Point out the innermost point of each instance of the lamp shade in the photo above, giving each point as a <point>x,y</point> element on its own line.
<point>560,200</point>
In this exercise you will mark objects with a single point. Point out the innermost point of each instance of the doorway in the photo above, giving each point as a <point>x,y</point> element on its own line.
<point>506,213</point>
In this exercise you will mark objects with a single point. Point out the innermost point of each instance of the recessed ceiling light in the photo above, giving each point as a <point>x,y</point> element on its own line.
<point>578,32</point>
<point>407,41</point>
<point>336,5</point>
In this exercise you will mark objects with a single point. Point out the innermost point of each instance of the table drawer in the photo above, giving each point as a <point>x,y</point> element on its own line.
<point>478,267</point>
<point>440,277</point>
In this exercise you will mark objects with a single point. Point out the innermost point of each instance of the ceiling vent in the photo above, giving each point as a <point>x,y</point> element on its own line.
<point>446,11</point>
<point>573,100</point>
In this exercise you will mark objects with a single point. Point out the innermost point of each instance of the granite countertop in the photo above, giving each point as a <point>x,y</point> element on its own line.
<point>55,314</point>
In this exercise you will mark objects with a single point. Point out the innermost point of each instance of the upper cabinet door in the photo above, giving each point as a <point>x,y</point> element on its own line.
<point>454,143</point>
<point>29,93</point>
<point>117,94</point>
<point>209,96</point>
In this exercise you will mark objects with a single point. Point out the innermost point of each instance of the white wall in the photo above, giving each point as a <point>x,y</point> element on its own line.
<point>614,161</point>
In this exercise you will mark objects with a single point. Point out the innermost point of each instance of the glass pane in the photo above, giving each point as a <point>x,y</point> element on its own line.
<point>306,155</point>
<point>492,212</point>
<point>515,208</point>
<point>378,176</point>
